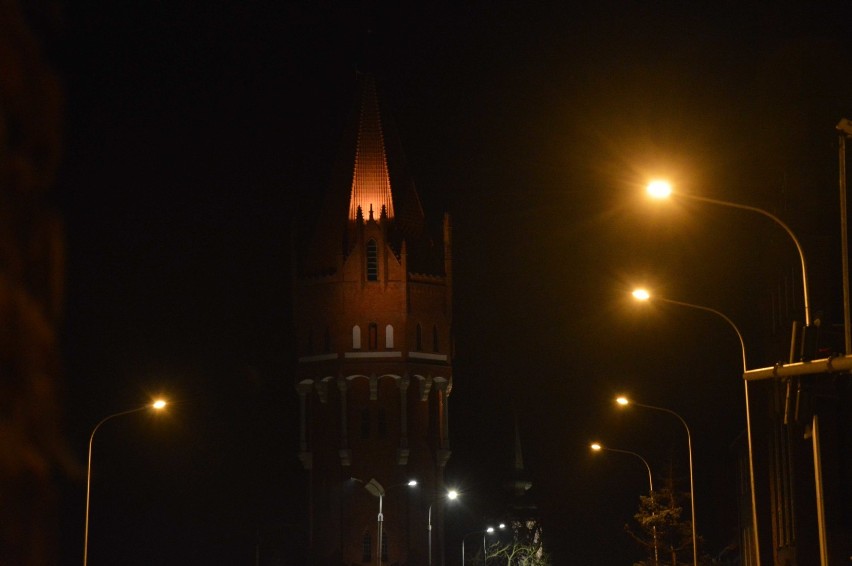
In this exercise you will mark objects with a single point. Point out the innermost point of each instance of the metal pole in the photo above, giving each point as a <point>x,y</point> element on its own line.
<point>786,228</point>
<point>756,537</point>
<point>844,237</point>
<point>820,502</point>
<point>89,477</point>
<point>380,521</point>
<point>650,493</point>
<point>429,528</point>
<point>691,475</point>
<point>476,532</point>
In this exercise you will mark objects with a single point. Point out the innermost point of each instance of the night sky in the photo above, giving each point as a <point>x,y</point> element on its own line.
<point>199,133</point>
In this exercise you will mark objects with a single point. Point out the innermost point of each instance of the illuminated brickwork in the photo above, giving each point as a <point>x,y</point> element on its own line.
<point>373,325</point>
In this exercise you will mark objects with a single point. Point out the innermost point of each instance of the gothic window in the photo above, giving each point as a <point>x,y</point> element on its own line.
<point>382,423</point>
<point>418,338</point>
<point>435,338</point>
<point>374,336</point>
<point>366,548</point>
<point>372,261</point>
<point>389,337</point>
<point>365,423</point>
<point>356,337</point>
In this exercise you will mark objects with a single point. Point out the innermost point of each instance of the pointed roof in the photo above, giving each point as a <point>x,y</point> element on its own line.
<point>371,174</point>
<point>519,484</point>
<point>371,187</point>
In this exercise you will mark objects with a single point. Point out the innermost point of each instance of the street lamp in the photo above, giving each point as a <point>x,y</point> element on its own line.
<point>644,295</point>
<point>656,189</point>
<point>597,447</point>
<point>451,495</point>
<point>376,489</point>
<point>157,405</point>
<point>659,189</point>
<point>624,401</point>
<point>483,532</point>
<point>488,531</point>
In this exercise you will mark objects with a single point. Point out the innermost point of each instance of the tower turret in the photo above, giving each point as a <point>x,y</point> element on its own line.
<point>373,325</point>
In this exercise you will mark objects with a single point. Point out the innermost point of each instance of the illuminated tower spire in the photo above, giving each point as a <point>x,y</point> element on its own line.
<point>372,313</point>
<point>371,187</point>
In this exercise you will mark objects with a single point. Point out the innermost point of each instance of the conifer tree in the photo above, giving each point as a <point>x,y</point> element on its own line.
<point>661,530</point>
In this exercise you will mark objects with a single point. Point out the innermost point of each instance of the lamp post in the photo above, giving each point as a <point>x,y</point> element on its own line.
<point>376,489</point>
<point>488,531</point>
<point>624,401</point>
<point>157,405</point>
<point>465,538</point>
<point>483,532</point>
<point>451,495</point>
<point>597,447</point>
<point>662,189</point>
<point>644,295</point>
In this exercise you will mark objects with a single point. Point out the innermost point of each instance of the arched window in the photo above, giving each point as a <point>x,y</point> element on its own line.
<point>435,338</point>
<point>366,547</point>
<point>389,337</point>
<point>372,261</point>
<point>418,338</point>
<point>373,343</point>
<point>356,337</point>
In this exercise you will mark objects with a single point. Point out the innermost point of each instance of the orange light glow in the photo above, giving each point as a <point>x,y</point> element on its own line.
<point>371,189</point>
<point>659,189</point>
<point>641,295</point>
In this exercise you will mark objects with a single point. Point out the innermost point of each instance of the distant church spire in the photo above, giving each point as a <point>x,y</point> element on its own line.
<point>519,484</point>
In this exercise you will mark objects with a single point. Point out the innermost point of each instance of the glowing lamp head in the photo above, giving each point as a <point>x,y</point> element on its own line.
<point>159,404</point>
<point>412,483</point>
<point>596,447</point>
<point>452,494</point>
<point>489,530</point>
<point>641,294</point>
<point>659,189</point>
<point>622,401</point>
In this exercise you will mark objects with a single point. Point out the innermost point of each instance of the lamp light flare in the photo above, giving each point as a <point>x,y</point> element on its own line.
<point>622,400</point>
<point>452,494</point>
<point>659,189</point>
<point>641,294</point>
<point>489,530</point>
<point>159,404</point>
<point>412,483</point>
<point>595,446</point>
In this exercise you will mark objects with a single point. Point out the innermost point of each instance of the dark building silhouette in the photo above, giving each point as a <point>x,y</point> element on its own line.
<point>373,320</point>
<point>786,411</point>
<point>33,454</point>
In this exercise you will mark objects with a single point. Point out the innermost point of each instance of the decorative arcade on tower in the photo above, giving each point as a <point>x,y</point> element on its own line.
<point>372,300</point>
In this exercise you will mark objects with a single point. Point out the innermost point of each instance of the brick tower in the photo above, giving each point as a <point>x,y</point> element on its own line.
<point>373,318</point>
